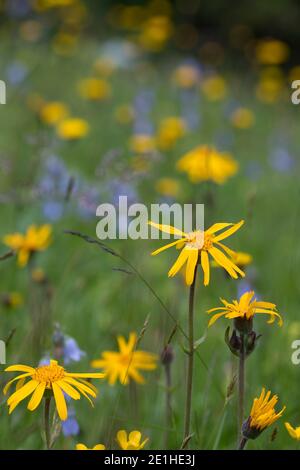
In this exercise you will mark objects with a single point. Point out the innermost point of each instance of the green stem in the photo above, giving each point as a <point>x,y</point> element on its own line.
<point>168,402</point>
<point>242,444</point>
<point>189,380</point>
<point>47,421</point>
<point>241,381</point>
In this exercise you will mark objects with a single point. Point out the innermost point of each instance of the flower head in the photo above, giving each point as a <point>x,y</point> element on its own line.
<point>262,415</point>
<point>170,130</point>
<point>197,245</point>
<point>80,446</point>
<point>133,442</point>
<point>52,113</point>
<point>126,363</point>
<point>72,129</point>
<point>245,308</point>
<point>35,239</point>
<point>205,163</point>
<point>51,378</point>
<point>94,89</point>
<point>293,432</point>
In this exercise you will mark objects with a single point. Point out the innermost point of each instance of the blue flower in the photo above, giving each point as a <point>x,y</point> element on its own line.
<point>72,353</point>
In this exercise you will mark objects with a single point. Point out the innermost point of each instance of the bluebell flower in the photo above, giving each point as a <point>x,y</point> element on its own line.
<point>16,72</point>
<point>71,351</point>
<point>70,426</point>
<point>281,160</point>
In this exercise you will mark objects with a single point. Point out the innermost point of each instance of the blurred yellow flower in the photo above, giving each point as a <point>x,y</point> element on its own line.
<point>38,275</point>
<point>205,163</point>
<point>168,187</point>
<point>246,307</point>
<point>186,76</point>
<point>132,442</point>
<point>104,67</point>
<point>155,33</point>
<point>35,239</point>
<point>294,73</point>
<point>142,143</point>
<point>170,130</point>
<point>95,89</point>
<point>47,4</point>
<point>53,112</point>
<point>293,432</point>
<point>52,378</point>
<point>72,129</point>
<point>65,43</point>
<point>124,114</point>
<point>269,89</point>
<point>272,52</point>
<point>242,118</point>
<point>80,446</point>
<point>124,365</point>
<point>262,415</point>
<point>214,88</point>
<point>12,300</point>
<point>196,246</point>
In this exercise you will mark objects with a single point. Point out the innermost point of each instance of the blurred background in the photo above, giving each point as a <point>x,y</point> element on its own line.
<point>105,99</point>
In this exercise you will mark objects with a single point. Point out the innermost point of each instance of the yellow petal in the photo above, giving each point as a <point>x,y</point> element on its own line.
<point>60,402</point>
<point>168,229</point>
<point>229,232</point>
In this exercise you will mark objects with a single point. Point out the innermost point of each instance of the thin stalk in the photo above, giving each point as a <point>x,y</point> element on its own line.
<point>241,382</point>
<point>242,444</point>
<point>168,402</point>
<point>189,380</point>
<point>47,421</point>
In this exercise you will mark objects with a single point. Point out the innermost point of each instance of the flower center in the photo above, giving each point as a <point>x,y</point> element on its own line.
<point>125,359</point>
<point>49,374</point>
<point>196,240</point>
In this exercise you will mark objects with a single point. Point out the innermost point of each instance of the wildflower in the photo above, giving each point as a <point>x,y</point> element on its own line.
<point>272,52</point>
<point>262,415</point>
<point>51,378</point>
<point>197,246</point>
<point>155,33</point>
<point>133,442</point>
<point>214,88</point>
<point>270,85</point>
<point>52,113</point>
<point>142,143</point>
<point>242,118</point>
<point>240,258</point>
<point>125,364</point>
<point>70,426</point>
<point>95,89</point>
<point>170,130</point>
<point>84,447</point>
<point>293,432</point>
<point>72,352</point>
<point>205,163</point>
<point>245,308</point>
<point>11,300</point>
<point>35,239</point>
<point>124,114</point>
<point>72,129</point>
<point>187,76</point>
<point>168,187</point>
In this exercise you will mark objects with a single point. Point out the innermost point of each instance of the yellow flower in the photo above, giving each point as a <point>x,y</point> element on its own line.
<point>124,114</point>
<point>80,446</point>
<point>197,245</point>
<point>170,130</point>
<point>12,300</point>
<point>104,67</point>
<point>125,364</point>
<point>52,378</point>
<point>205,163</point>
<point>94,89</point>
<point>239,258</point>
<point>52,113</point>
<point>142,143</point>
<point>64,43</point>
<point>262,415</point>
<point>133,442</point>
<point>186,76</point>
<point>168,187</point>
<point>293,432</point>
<point>294,73</point>
<point>242,118</point>
<point>245,308</point>
<point>72,129</point>
<point>214,88</point>
<point>35,239</point>
<point>272,52</point>
<point>269,89</point>
<point>155,33</point>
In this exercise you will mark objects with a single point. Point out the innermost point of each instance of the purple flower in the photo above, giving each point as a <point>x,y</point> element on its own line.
<point>281,160</point>
<point>70,426</point>
<point>72,352</point>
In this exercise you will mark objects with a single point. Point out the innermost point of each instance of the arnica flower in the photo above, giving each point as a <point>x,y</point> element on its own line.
<point>196,248</point>
<point>205,163</point>
<point>142,143</point>
<point>53,112</point>
<point>125,364</point>
<point>35,239</point>
<point>245,308</point>
<point>170,130</point>
<point>51,378</point>
<point>84,447</point>
<point>155,33</point>
<point>168,187</point>
<point>132,442</point>
<point>272,52</point>
<point>95,89</point>
<point>242,118</point>
<point>214,88</point>
<point>293,432</point>
<point>262,415</point>
<point>72,129</point>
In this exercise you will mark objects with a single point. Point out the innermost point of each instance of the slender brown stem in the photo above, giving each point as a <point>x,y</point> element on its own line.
<point>242,443</point>
<point>189,380</point>
<point>47,421</point>
<point>168,402</point>
<point>241,381</point>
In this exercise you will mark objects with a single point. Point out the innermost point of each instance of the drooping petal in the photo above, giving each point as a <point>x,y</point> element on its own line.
<point>68,389</point>
<point>205,267</point>
<point>26,390</point>
<point>20,368</point>
<point>191,265</point>
<point>37,396</point>
<point>168,229</point>
<point>179,262</point>
<point>214,318</point>
<point>165,247</point>
<point>229,232</point>
<point>19,377</point>
<point>60,401</point>
<point>217,227</point>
